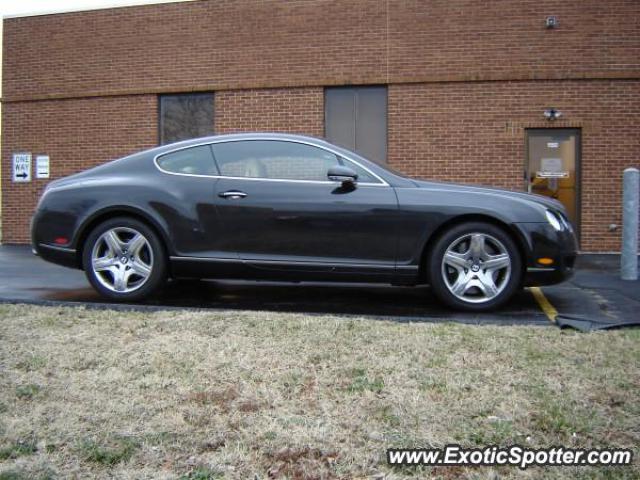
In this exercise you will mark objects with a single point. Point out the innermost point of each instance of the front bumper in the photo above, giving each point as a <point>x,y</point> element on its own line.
<point>550,276</point>
<point>544,242</point>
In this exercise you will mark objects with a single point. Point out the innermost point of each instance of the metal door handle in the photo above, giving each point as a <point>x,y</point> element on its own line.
<point>232,194</point>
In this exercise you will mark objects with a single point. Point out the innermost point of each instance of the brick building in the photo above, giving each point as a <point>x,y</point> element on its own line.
<point>448,90</point>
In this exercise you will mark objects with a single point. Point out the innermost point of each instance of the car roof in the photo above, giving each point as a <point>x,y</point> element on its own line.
<point>243,136</point>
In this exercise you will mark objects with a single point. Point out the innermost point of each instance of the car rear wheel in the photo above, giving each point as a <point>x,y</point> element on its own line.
<point>475,267</point>
<point>124,260</point>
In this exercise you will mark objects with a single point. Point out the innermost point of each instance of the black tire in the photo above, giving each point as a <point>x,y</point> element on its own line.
<point>156,259</point>
<point>436,275</point>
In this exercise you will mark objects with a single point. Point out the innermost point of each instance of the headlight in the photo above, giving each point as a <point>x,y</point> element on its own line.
<point>566,223</point>
<point>554,220</point>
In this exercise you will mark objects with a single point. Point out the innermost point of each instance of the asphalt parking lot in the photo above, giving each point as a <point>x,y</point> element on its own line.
<point>594,293</point>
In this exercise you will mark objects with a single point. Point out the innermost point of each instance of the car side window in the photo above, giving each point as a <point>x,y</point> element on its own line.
<point>190,161</point>
<point>363,175</point>
<point>273,159</point>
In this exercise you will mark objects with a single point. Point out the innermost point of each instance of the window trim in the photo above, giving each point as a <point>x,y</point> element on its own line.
<point>317,182</point>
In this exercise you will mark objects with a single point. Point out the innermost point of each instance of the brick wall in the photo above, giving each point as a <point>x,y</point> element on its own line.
<point>293,110</point>
<point>465,79</point>
<point>234,44</point>
<point>76,134</point>
<point>474,132</point>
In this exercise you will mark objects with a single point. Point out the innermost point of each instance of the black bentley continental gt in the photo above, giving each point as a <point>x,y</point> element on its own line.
<point>295,208</point>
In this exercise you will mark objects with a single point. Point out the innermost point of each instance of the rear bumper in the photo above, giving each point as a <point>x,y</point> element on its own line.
<point>60,255</point>
<point>43,231</point>
<point>544,242</point>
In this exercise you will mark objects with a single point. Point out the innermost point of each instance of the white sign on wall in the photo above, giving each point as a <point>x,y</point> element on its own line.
<point>552,168</point>
<point>42,166</point>
<point>21,167</point>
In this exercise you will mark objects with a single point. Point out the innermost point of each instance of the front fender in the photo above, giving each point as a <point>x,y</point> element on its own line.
<point>425,211</point>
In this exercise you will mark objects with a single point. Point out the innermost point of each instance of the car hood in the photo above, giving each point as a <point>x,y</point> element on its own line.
<point>500,192</point>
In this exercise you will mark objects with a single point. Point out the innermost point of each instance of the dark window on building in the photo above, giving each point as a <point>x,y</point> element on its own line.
<point>185,116</point>
<point>273,159</point>
<point>356,118</point>
<point>192,161</point>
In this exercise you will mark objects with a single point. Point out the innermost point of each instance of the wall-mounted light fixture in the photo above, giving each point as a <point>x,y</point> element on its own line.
<point>551,22</point>
<point>552,114</point>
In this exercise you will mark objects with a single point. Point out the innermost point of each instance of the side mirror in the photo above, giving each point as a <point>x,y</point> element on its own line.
<point>342,174</point>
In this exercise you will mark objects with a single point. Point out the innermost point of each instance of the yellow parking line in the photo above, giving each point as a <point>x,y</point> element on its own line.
<point>548,309</point>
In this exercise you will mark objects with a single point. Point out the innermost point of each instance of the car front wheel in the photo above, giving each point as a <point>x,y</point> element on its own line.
<point>475,267</point>
<point>124,260</point>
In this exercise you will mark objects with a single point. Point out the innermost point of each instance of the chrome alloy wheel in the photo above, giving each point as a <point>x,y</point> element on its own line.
<point>476,267</point>
<point>122,259</point>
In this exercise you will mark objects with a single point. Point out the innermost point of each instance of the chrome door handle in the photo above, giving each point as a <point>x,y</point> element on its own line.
<point>232,194</point>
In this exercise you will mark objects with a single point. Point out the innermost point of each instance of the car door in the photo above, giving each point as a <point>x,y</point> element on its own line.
<point>281,213</point>
<point>188,203</point>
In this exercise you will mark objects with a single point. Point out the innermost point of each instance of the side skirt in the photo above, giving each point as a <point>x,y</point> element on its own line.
<point>230,268</point>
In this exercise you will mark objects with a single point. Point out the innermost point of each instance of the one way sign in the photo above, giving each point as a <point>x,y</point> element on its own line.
<point>21,167</point>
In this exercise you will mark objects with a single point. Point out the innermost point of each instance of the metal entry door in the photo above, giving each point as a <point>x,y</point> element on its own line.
<point>356,118</point>
<point>552,167</point>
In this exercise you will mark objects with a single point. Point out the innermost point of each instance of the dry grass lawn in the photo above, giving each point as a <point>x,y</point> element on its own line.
<point>256,395</point>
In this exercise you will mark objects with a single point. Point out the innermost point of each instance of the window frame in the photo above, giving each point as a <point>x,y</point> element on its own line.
<point>339,155</point>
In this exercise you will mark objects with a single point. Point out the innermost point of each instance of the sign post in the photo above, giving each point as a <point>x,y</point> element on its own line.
<point>630,208</point>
